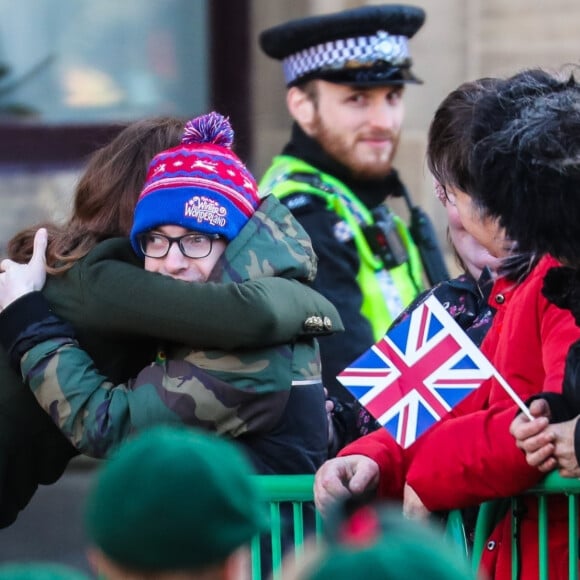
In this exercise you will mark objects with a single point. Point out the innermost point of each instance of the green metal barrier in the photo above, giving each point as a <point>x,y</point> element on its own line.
<point>277,490</point>
<point>490,512</point>
<point>455,531</point>
<point>297,490</point>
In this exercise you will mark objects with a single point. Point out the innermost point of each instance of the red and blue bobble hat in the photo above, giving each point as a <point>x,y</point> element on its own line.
<point>200,185</point>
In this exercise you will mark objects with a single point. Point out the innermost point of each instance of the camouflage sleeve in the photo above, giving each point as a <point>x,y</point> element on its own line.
<point>96,415</point>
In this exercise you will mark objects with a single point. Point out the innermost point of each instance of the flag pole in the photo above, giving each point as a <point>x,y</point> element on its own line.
<point>514,396</point>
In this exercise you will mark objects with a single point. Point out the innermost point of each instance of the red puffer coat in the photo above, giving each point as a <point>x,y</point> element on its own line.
<point>470,456</point>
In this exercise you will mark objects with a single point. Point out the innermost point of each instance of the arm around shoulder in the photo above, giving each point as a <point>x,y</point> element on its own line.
<point>109,290</point>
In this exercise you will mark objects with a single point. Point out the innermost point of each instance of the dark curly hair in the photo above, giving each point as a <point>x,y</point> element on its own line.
<point>525,160</point>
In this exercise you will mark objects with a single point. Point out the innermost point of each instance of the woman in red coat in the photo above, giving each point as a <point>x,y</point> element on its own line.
<point>470,457</point>
<point>552,440</point>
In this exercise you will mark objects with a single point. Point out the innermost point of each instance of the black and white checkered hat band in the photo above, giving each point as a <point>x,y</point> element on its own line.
<point>362,51</point>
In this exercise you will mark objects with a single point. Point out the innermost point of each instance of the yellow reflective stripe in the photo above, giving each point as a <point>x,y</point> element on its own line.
<point>374,307</point>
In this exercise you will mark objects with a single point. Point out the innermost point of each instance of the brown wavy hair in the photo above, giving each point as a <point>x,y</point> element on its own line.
<point>105,196</point>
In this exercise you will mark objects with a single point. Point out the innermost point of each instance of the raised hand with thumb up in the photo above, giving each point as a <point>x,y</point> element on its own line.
<point>16,280</point>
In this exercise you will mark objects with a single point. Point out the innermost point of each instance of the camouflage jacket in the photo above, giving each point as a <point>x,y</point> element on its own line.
<point>245,393</point>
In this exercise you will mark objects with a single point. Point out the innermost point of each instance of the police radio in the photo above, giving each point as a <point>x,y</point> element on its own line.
<point>384,238</point>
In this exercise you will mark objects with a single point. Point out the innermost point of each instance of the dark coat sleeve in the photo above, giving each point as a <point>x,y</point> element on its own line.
<point>565,405</point>
<point>33,451</point>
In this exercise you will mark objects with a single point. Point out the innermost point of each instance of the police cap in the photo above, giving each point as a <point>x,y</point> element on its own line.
<point>362,46</point>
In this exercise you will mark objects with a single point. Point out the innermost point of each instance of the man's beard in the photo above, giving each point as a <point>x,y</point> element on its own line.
<point>335,146</point>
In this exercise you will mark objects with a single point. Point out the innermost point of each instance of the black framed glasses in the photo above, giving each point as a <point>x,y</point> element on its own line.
<point>157,245</point>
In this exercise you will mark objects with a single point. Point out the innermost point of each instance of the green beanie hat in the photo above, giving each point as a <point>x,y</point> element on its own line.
<point>39,571</point>
<point>174,498</point>
<point>377,543</point>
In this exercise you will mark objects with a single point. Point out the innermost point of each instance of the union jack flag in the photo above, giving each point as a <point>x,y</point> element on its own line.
<point>417,372</point>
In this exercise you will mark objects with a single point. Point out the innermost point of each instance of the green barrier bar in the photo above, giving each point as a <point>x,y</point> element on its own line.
<point>554,484</point>
<point>256,552</point>
<point>286,487</point>
<point>491,512</point>
<point>455,531</point>
<point>573,537</point>
<point>543,536</point>
<point>514,540</point>
<point>298,518</point>
<point>275,531</point>
<point>274,489</point>
<point>318,524</point>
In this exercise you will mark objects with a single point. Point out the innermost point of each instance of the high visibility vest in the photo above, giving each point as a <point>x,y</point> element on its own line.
<point>385,292</point>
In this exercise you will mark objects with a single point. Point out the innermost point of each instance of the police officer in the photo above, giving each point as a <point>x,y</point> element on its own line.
<point>346,74</point>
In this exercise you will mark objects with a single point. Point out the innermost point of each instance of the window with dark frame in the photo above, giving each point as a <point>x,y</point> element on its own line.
<point>193,59</point>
